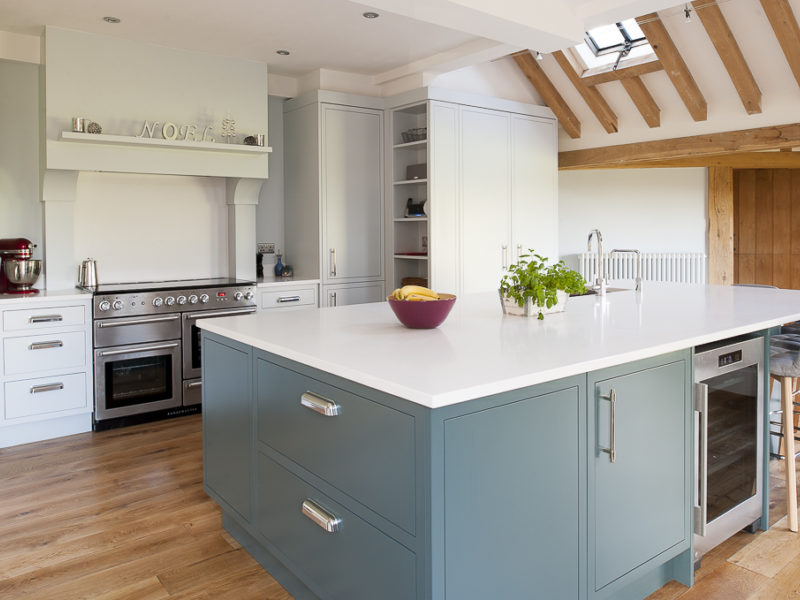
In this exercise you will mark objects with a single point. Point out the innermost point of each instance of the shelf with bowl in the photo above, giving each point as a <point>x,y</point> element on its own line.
<point>408,156</point>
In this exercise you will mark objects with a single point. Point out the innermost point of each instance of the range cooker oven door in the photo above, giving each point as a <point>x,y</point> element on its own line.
<point>191,340</point>
<point>729,420</point>
<point>135,379</point>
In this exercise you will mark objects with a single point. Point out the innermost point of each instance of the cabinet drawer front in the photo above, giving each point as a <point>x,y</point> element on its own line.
<point>335,447</point>
<point>45,395</point>
<point>33,319</point>
<point>289,298</point>
<point>44,352</point>
<point>357,562</point>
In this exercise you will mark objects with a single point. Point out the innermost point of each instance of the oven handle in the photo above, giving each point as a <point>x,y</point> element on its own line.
<point>139,349</point>
<point>121,323</point>
<point>701,506</point>
<point>221,313</point>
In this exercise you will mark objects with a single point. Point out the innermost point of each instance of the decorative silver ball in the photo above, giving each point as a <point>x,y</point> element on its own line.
<point>250,140</point>
<point>94,128</point>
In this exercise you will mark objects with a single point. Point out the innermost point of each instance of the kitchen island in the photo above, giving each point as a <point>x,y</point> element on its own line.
<point>355,458</point>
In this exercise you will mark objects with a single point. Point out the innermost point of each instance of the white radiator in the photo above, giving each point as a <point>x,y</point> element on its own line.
<point>681,267</point>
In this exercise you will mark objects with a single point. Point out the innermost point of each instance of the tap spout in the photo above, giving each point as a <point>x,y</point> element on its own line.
<point>638,264</point>
<point>600,280</point>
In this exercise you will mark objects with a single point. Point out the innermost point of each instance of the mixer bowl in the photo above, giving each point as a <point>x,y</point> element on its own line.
<point>22,273</point>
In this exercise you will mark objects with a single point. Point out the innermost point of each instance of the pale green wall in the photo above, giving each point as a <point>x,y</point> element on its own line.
<point>20,208</point>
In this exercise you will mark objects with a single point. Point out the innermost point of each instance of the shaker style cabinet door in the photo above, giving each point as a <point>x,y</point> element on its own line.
<point>485,198</point>
<point>352,193</point>
<point>638,502</point>
<point>534,182</point>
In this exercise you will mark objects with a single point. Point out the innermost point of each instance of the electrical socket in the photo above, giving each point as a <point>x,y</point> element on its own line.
<point>424,242</point>
<point>265,248</point>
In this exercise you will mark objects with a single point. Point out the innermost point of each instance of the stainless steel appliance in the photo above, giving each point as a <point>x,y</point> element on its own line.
<point>18,270</point>
<point>87,274</point>
<point>729,444</point>
<point>147,347</point>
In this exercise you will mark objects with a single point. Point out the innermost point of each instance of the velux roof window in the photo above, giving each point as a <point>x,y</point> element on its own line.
<point>611,44</point>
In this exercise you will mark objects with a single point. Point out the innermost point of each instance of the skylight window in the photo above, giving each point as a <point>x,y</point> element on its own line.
<point>611,44</point>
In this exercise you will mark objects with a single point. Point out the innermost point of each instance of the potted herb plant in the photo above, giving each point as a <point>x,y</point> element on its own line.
<point>531,286</point>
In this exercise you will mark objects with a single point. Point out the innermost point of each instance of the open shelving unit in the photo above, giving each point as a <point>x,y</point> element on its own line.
<point>408,235</point>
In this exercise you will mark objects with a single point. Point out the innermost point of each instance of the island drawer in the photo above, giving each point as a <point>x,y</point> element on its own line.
<point>32,353</point>
<point>44,395</point>
<point>33,319</point>
<point>361,447</point>
<point>354,562</point>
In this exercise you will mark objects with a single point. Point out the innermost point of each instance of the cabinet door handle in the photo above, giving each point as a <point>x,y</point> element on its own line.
<point>332,298</point>
<point>45,319</point>
<point>505,257</point>
<point>321,517</point>
<point>333,262</point>
<point>50,387</point>
<point>289,299</point>
<point>46,345</point>
<point>317,403</point>
<point>701,492</point>
<point>612,449</point>
<point>519,251</point>
<point>194,384</point>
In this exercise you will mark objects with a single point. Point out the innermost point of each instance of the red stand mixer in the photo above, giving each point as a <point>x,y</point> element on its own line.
<point>18,271</point>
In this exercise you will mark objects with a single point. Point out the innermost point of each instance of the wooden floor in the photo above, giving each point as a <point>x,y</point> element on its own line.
<point>122,515</point>
<point>119,515</point>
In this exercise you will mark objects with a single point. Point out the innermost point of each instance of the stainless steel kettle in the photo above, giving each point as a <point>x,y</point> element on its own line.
<point>87,273</point>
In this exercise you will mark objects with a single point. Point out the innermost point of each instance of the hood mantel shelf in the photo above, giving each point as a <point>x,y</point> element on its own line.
<point>104,138</point>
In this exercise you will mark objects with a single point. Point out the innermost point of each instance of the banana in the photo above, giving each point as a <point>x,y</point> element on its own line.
<point>420,298</point>
<point>418,290</point>
<point>397,294</point>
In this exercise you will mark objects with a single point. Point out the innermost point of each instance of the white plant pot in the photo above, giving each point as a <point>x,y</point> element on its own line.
<point>510,306</point>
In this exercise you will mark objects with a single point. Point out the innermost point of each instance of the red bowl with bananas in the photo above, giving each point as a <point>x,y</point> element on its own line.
<point>419,307</point>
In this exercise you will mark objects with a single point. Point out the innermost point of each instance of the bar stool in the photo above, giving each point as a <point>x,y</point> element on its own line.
<point>784,367</point>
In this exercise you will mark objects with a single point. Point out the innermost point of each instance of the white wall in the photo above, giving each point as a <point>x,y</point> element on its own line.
<point>652,210</point>
<point>20,209</point>
<point>151,227</point>
<point>269,213</point>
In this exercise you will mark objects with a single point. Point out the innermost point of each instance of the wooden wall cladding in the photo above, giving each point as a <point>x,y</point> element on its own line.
<point>766,208</point>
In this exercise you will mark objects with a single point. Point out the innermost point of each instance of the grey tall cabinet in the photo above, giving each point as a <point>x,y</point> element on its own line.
<point>334,193</point>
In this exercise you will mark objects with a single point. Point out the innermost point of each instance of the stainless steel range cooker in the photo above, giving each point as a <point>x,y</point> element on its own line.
<point>147,344</point>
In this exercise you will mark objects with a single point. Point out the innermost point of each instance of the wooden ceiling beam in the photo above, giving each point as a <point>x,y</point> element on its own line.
<point>676,68</point>
<point>643,100</point>
<point>591,95</point>
<point>538,78</point>
<point>606,74</point>
<point>784,24</point>
<point>745,140</point>
<point>737,160</point>
<point>720,34</point>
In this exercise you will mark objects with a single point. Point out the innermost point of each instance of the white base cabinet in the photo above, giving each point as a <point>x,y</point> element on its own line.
<point>45,369</point>
<point>352,293</point>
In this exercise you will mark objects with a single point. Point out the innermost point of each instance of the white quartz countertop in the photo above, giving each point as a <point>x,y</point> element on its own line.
<point>478,351</point>
<point>69,295</point>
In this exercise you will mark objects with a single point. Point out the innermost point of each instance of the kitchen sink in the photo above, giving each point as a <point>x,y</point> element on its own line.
<point>608,291</point>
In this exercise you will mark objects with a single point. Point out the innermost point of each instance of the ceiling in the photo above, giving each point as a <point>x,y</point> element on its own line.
<point>332,34</point>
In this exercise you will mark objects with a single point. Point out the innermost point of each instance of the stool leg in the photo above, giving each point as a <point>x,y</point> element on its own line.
<point>788,437</point>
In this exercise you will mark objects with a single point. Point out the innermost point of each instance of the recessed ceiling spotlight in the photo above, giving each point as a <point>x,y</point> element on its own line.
<point>539,56</point>
<point>111,19</point>
<point>370,15</point>
<point>283,52</point>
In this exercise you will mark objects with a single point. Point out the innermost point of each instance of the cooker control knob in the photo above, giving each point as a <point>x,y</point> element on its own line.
<point>193,299</point>
<point>117,304</point>
<point>238,296</point>
<point>158,301</point>
<point>169,301</point>
<point>248,295</point>
<point>181,300</point>
<point>104,305</point>
<point>203,298</point>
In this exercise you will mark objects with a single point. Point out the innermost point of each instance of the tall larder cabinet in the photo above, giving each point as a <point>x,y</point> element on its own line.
<point>334,193</point>
<point>484,171</point>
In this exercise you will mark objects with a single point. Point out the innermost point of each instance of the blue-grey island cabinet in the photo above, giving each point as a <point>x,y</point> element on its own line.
<point>346,492</point>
